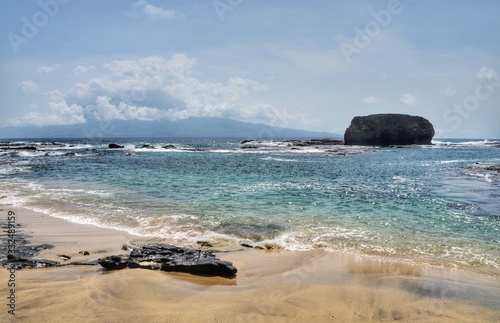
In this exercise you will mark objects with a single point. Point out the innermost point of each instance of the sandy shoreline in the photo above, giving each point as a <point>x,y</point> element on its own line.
<point>270,286</point>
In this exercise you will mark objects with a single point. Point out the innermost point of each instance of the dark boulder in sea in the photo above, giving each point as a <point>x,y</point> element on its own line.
<point>389,129</point>
<point>114,146</point>
<point>171,258</point>
<point>169,147</point>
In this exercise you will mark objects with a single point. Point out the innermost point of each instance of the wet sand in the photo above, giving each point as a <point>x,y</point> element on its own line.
<point>271,286</point>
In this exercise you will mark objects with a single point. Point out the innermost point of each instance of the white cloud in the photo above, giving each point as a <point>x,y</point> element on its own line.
<point>103,109</point>
<point>155,88</point>
<point>372,100</point>
<point>84,69</point>
<point>28,86</point>
<point>178,66</point>
<point>44,69</point>
<point>79,90</point>
<point>142,8</point>
<point>58,113</point>
<point>174,79</point>
<point>409,99</point>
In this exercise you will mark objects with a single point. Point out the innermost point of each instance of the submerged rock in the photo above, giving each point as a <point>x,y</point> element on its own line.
<point>17,147</point>
<point>389,129</point>
<point>493,168</point>
<point>314,142</point>
<point>484,167</point>
<point>171,258</point>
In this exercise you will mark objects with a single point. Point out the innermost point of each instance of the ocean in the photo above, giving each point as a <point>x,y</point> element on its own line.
<point>435,205</point>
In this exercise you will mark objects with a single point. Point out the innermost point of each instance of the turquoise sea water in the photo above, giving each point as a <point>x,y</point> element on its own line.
<point>433,204</point>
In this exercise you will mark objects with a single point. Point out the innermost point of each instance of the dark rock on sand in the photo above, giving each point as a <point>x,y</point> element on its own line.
<point>65,257</point>
<point>20,263</point>
<point>389,129</point>
<point>83,263</point>
<point>204,244</point>
<point>43,246</point>
<point>171,258</point>
<point>114,262</point>
<point>127,248</point>
<point>114,146</point>
<point>23,255</point>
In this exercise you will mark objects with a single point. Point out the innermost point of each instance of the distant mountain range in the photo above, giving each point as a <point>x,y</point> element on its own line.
<point>193,127</point>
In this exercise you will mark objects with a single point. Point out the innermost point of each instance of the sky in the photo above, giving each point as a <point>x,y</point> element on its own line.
<point>288,63</point>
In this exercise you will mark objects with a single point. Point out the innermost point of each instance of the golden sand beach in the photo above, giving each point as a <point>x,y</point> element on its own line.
<point>271,286</point>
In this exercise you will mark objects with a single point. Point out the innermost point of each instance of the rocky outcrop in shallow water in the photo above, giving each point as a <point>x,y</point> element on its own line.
<point>16,147</point>
<point>171,258</point>
<point>484,167</point>
<point>297,142</point>
<point>389,129</point>
<point>314,142</point>
<point>495,168</point>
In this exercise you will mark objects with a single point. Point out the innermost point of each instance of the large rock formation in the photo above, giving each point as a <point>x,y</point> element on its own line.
<point>389,129</point>
<point>171,258</point>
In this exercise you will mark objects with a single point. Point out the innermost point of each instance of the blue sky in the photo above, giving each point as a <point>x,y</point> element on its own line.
<point>306,65</point>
